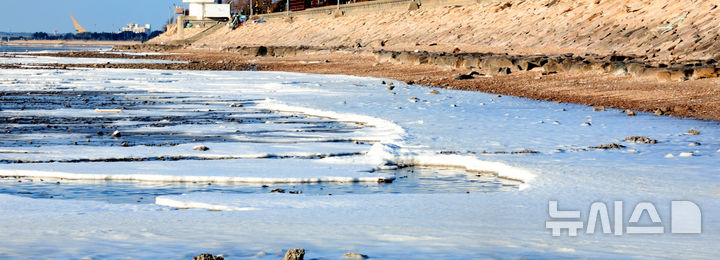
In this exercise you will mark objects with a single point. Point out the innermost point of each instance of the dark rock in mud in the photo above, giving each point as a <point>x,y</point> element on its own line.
<point>277,191</point>
<point>607,146</point>
<point>384,180</point>
<point>640,139</point>
<point>207,256</point>
<point>470,75</point>
<point>525,152</point>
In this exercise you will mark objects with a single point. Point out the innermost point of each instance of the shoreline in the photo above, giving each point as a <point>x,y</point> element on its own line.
<point>71,42</point>
<point>699,99</point>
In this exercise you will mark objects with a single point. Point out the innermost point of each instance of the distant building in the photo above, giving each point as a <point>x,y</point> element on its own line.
<point>136,28</point>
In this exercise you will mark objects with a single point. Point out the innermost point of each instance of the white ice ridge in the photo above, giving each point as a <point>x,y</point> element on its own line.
<point>390,151</point>
<point>187,178</point>
<point>175,203</point>
<point>383,130</point>
<point>390,154</point>
<point>246,202</point>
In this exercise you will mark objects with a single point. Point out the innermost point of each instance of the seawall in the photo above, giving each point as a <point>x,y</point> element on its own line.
<point>603,27</point>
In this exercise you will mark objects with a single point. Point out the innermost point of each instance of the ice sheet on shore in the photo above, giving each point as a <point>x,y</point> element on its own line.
<point>394,226</point>
<point>40,60</point>
<point>225,171</point>
<point>433,132</point>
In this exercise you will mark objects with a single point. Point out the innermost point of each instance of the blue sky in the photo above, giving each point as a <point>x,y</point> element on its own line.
<point>93,15</point>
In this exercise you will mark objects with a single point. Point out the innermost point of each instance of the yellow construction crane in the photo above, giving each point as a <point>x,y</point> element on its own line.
<point>78,28</point>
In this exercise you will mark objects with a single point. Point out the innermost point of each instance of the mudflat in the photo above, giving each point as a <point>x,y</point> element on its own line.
<point>698,99</point>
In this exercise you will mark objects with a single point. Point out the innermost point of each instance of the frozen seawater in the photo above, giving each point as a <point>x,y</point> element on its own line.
<point>481,133</point>
<point>426,180</point>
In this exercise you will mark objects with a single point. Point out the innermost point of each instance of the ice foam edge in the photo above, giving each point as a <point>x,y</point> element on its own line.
<point>392,151</point>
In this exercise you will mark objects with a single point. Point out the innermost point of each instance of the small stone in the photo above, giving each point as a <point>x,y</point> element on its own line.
<point>384,180</point>
<point>414,99</point>
<point>692,132</point>
<point>629,112</point>
<point>600,108</point>
<point>524,152</point>
<point>607,146</point>
<point>659,112</point>
<point>277,191</point>
<point>124,144</point>
<point>116,134</point>
<point>464,76</point>
<point>453,105</point>
<point>390,87</point>
<point>349,255</point>
<point>434,92</point>
<point>201,148</point>
<point>556,122</point>
<point>586,124</point>
<point>99,133</point>
<point>295,254</point>
<point>640,139</point>
<point>695,144</point>
<point>669,155</point>
<point>207,256</point>
<point>383,82</point>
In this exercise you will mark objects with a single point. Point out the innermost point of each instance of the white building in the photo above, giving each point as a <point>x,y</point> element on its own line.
<point>207,9</point>
<point>136,28</point>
